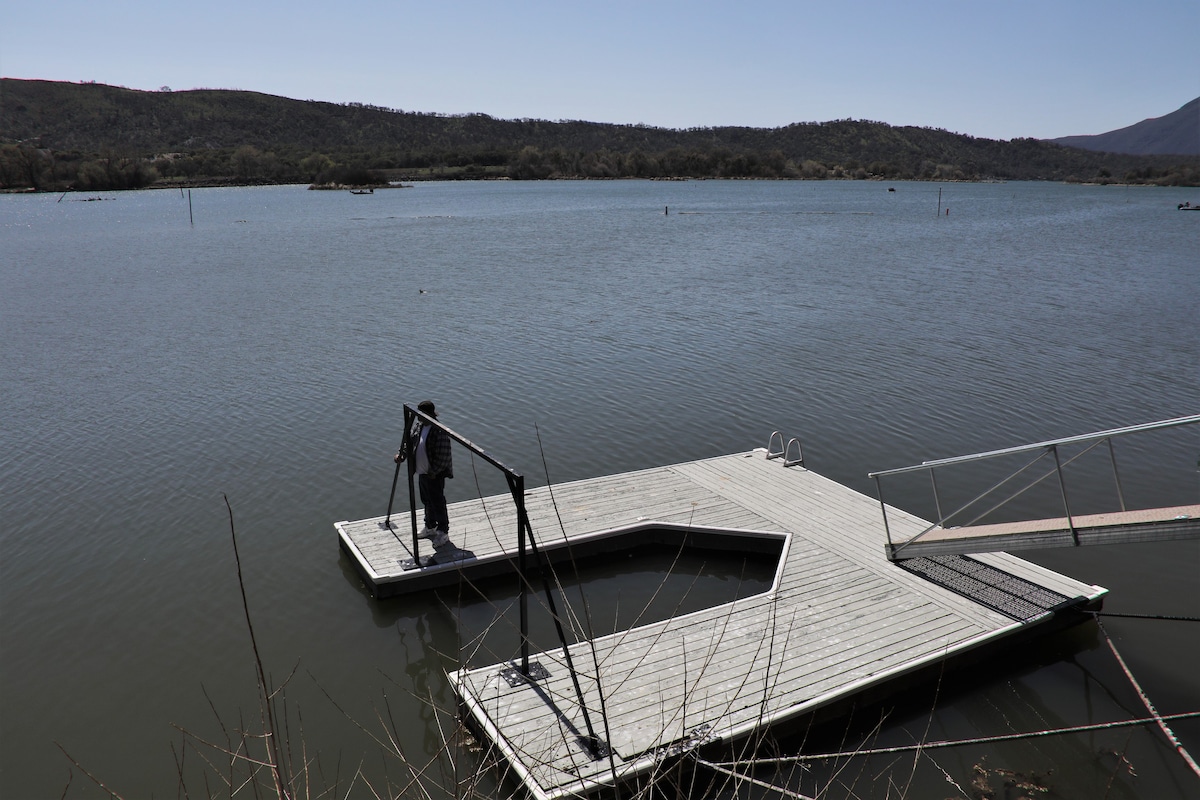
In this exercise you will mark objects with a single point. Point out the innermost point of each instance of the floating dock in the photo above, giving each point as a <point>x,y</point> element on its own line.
<point>840,620</point>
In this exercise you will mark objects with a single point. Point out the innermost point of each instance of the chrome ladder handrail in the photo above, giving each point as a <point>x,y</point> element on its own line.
<point>784,451</point>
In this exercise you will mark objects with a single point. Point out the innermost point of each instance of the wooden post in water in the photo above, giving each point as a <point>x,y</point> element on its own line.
<point>939,202</point>
<point>192,219</point>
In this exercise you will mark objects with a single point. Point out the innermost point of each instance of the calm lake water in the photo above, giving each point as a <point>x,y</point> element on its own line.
<point>148,366</point>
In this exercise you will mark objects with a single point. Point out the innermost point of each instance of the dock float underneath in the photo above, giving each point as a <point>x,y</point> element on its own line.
<point>839,621</point>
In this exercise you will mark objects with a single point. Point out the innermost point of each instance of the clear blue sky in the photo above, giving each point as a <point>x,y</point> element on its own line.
<point>998,70</point>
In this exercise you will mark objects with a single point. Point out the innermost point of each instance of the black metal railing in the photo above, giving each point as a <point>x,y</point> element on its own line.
<point>525,543</point>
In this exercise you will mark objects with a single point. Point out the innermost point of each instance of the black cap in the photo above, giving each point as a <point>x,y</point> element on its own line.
<point>426,407</point>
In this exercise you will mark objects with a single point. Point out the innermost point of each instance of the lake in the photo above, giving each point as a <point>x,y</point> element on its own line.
<point>151,366</point>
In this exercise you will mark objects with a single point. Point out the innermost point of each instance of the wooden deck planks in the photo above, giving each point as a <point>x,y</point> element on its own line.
<point>696,689</point>
<point>841,615</point>
<point>809,504</point>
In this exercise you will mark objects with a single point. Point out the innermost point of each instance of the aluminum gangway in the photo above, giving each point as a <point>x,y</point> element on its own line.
<point>960,530</point>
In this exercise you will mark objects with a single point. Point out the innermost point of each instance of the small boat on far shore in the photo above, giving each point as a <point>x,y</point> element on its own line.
<point>362,191</point>
<point>1188,207</point>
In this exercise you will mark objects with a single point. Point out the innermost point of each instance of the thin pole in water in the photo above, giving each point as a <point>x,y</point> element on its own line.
<point>191,219</point>
<point>939,201</point>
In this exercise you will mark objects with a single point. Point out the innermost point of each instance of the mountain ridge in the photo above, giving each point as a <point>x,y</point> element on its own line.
<point>1177,133</point>
<point>84,135</point>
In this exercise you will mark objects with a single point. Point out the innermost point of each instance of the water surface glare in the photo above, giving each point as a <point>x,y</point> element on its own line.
<point>573,329</point>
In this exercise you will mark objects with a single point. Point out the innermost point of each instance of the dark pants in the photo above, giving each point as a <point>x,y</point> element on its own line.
<point>433,497</point>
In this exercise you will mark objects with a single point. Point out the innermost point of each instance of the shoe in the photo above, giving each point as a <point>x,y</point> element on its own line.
<point>430,532</point>
<point>439,538</point>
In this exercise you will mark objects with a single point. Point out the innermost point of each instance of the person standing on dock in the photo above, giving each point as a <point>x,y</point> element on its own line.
<point>433,466</point>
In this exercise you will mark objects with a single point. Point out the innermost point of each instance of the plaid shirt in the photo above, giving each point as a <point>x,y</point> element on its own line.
<point>437,448</point>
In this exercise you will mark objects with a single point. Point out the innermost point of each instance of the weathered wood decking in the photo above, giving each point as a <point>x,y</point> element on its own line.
<point>840,619</point>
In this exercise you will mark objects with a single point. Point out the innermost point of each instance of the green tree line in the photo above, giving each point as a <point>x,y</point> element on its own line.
<point>56,136</point>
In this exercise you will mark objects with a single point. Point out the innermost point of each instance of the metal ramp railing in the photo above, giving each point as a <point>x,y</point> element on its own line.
<point>1072,529</point>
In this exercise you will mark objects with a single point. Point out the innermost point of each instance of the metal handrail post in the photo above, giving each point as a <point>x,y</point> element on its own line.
<point>412,509</point>
<point>517,487</point>
<point>1112,455</point>
<point>883,507</point>
<point>1062,485</point>
<point>937,500</point>
<point>387,520</point>
<point>412,471</point>
<point>526,541</point>
<point>593,741</point>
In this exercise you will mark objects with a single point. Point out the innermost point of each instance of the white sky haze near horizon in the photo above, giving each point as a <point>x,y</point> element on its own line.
<point>998,71</point>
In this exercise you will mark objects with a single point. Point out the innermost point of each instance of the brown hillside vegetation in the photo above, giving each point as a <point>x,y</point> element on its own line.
<point>57,136</point>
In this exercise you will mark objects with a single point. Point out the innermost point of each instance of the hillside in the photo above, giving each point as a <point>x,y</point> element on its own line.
<point>56,135</point>
<point>1178,133</point>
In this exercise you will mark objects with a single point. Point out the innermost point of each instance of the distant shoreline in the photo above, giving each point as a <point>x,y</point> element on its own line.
<point>231,183</point>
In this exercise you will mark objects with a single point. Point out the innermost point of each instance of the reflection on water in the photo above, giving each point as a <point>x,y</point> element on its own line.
<point>149,366</point>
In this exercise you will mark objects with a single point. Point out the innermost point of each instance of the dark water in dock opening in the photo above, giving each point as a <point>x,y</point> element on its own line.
<point>148,366</point>
<point>645,584</point>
